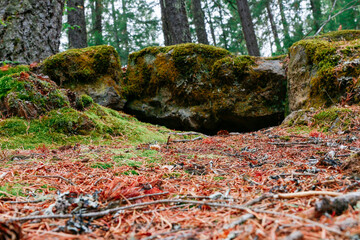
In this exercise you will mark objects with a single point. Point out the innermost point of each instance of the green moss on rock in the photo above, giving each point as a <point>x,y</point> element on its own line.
<point>83,65</point>
<point>331,65</point>
<point>179,65</point>
<point>27,95</point>
<point>194,84</point>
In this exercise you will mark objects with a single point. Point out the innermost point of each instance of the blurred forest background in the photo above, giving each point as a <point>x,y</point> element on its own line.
<point>130,25</point>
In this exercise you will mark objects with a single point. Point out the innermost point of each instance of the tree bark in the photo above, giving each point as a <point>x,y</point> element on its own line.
<point>174,22</point>
<point>248,28</point>
<point>212,30</point>
<point>273,26</point>
<point>31,30</point>
<point>224,33</point>
<point>199,21</point>
<point>124,32</point>
<point>76,19</point>
<point>115,29</point>
<point>287,39</point>
<point>316,12</point>
<point>98,22</point>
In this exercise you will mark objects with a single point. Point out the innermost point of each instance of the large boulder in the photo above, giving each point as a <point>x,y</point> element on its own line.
<point>324,70</point>
<point>204,88</point>
<point>95,71</point>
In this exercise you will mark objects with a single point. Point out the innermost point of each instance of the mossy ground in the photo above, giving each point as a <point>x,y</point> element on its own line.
<point>95,125</point>
<point>330,120</point>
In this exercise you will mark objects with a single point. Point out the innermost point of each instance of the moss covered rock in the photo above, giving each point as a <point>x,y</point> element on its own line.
<point>204,88</point>
<point>324,70</point>
<point>36,111</point>
<point>28,95</point>
<point>95,71</point>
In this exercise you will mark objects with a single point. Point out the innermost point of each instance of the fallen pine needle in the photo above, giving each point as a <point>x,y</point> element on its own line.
<point>109,211</point>
<point>57,176</point>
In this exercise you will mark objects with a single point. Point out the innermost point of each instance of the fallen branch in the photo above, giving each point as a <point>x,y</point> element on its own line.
<point>291,195</point>
<point>338,204</point>
<point>102,178</point>
<point>294,143</point>
<point>239,221</point>
<point>188,133</point>
<point>187,140</point>
<point>144,196</point>
<point>306,194</point>
<point>109,211</point>
<point>259,199</point>
<point>57,176</point>
<point>355,184</point>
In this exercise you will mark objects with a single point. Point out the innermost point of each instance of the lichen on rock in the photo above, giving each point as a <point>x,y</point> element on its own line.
<point>95,71</point>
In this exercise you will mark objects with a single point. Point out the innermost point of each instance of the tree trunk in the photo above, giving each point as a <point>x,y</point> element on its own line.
<point>273,26</point>
<point>174,22</point>
<point>124,32</point>
<point>248,28</point>
<point>316,12</point>
<point>199,21</point>
<point>98,22</point>
<point>31,30</point>
<point>76,19</point>
<point>287,39</point>
<point>115,24</point>
<point>224,33</point>
<point>212,30</point>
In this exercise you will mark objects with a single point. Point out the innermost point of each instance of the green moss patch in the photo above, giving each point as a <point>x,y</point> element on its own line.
<point>12,70</point>
<point>66,125</point>
<point>29,96</point>
<point>333,119</point>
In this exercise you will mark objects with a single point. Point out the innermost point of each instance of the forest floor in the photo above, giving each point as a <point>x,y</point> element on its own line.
<point>257,185</point>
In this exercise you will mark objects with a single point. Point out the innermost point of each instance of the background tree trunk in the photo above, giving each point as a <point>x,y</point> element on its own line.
<point>316,12</point>
<point>287,39</point>
<point>31,30</point>
<point>212,30</point>
<point>273,26</point>
<point>175,23</point>
<point>115,29</point>
<point>248,28</point>
<point>76,19</point>
<point>98,22</point>
<point>222,25</point>
<point>199,21</point>
<point>124,31</point>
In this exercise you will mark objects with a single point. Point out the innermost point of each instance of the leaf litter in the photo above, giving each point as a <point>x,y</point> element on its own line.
<point>277,183</point>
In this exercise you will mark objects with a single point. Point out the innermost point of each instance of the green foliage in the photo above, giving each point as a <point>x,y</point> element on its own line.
<point>130,172</point>
<point>102,165</point>
<point>12,70</point>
